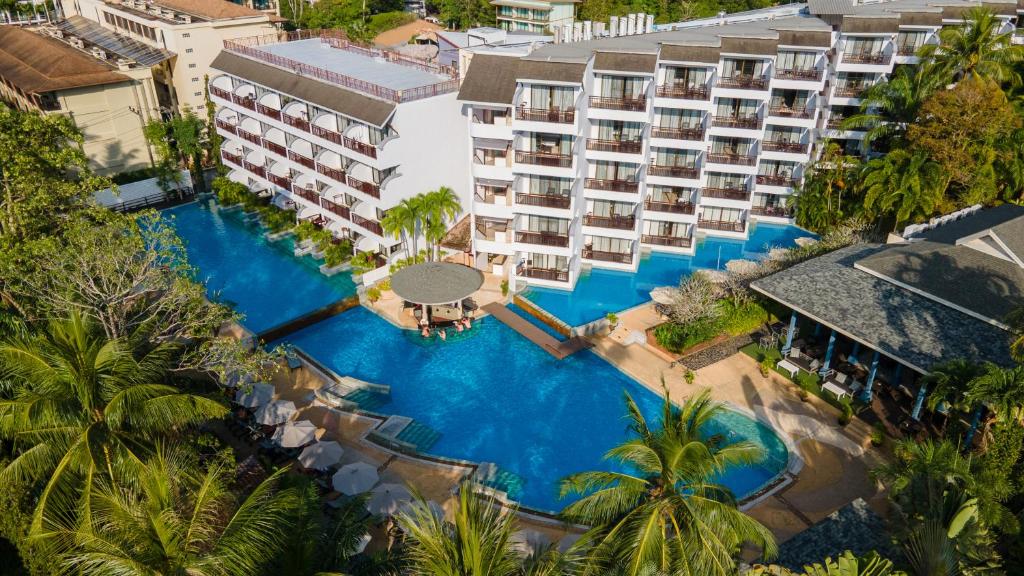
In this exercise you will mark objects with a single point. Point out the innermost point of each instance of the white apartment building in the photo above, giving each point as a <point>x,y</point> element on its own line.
<point>344,132</point>
<point>192,31</point>
<point>590,153</point>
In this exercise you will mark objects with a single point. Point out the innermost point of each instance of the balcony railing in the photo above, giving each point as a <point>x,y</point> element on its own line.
<point>268,111</point>
<point>560,201</point>
<point>326,134</point>
<point>335,208</point>
<point>220,93</point>
<point>368,224</point>
<point>775,180</point>
<point>671,207</point>
<point>542,238</point>
<point>225,125</point>
<point>556,115</point>
<point>695,134</point>
<point>745,122</point>
<point>544,159</point>
<point>835,122</point>
<point>232,158</point>
<point>543,273</point>
<point>672,171</point>
<point>722,225</point>
<point>255,168</point>
<point>304,160</point>
<point>336,174</point>
<point>773,211</point>
<point>851,90</point>
<point>624,146</point>
<point>685,92</point>
<point>254,138</point>
<point>244,101</point>
<point>866,58</point>
<point>365,187</point>
<point>630,104</point>
<point>612,185</point>
<point>282,181</point>
<point>619,257</point>
<point>797,74</point>
<point>782,146</point>
<point>674,241</point>
<point>613,222</point>
<point>276,148</point>
<point>296,122</point>
<point>736,159</point>
<point>726,193</point>
<point>307,194</point>
<point>361,147</point>
<point>908,50</point>
<point>744,82</point>
<point>787,112</point>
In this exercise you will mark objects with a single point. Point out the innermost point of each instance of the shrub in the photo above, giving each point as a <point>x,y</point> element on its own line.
<point>363,262</point>
<point>877,434</point>
<point>504,287</point>
<point>277,219</point>
<point>337,253</point>
<point>689,376</point>
<point>766,367</point>
<point>384,284</point>
<point>230,192</point>
<point>803,394</point>
<point>305,230</point>
<point>373,294</point>
<point>677,337</point>
<point>612,318</point>
<point>846,415</point>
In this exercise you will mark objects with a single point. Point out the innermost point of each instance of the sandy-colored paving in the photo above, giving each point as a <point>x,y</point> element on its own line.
<point>390,308</point>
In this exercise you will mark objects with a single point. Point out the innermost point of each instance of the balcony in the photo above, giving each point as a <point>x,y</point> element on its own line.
<point>735,159</point>
<point>744,122</point>
<point>336,174</point>
<point>220,93</point>
<point>726,193</point>
<point>232,158</point>
<point>670,207</point>
<point>617,257</point>
<point>296,122</point>
<point>329,135</point>
<point>628,104</point>
<point>909,50</point>
<point>673,241</point>
<point>368,224</point>
<point>268,111</point>
<point>743,83</point>
<point>628,186</point>
<point>553,274</point>
<point>866,58</point>
<point>255,168</point>
<point>722,225</point>
<point>555,115</point>
<point>361,147</point>
<point>672,171</point>
<point>787,112</point>
<point>307,194</point>
<point>850,90</point>
<point>282,181</point>
<point>695,134</point>
<point>227,126</point>
<point>544,159</point>
<point>775,180</point>
<point>623,146</point>
<point>304,160</point>
<point>368,188</point>
<point>560,201</point>
<point>683,92</point>
<point>249,136</point>
<point>773,211</point>
<point>835,122</point>
<point>244,101</point>
<point>335,208</point>
<point>612,222</point>
<point>542,238</point>
<point>275,148</point>
<point>796,74</point>
<point>782,146</point>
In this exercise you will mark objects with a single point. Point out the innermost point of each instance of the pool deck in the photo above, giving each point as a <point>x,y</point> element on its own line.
<point>557,348</point>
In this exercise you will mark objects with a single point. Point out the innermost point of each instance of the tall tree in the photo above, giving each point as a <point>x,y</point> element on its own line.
<point>819,200</point>
<point>404,219</point>
<point>978,48</point>
<point>846,564</point>
<point>887,108</point>
<point>665,508</point>
<point>440,208</point>
<point>905,185</point>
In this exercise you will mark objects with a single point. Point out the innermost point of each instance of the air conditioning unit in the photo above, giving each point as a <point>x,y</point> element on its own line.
<point>185,18</point>
<point>123,64</point>
<point>77,43</point>
<point>98,53</point>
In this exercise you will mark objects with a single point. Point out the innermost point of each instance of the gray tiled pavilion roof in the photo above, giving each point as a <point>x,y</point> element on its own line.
<point>912,329</point>
<point>855,525</point>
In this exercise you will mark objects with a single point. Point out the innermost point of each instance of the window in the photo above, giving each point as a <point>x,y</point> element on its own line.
<point>548,261</point>
<point>624,87</point>
<point>673,157</point>
<point>551,97</point>
<point>793,100</point>
<point>729,181</point>
<point>610,208</point>
<point>186,35</point>
<point>550,185</point>
<point>736,108</point>
<point>196,79</point>
<point>676,118</point>
<point>670,229</point>
<point>197,94</point>
<point>613,245</point>
<point>733,68</point>
<point>671,194</point>
<point>559,226</point>
<point>733,146</point>
<point>796,60</point>
<point>188,50</point>
<point>716,214</point>
<point>192,65</point>
<point>686,77</point>
<point>619,131</point>
<point>604,170</point>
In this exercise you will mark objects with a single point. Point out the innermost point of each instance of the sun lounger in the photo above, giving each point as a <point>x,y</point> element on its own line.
<point>788,366</point>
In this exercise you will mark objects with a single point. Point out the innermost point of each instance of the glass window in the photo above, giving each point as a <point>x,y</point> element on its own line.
<point>682,77</point>
<point>551,97</point>
<point>783,134</point>
<point>790,99</point>
<point>789,60</point>
<point>551,143</point>
<point>678,118</point>
<point>604,244</point>
<point>717,214</point>
<point>740,146</point>
<point>558,226</point>
<point>673,157</point>
<point>604,170</point>
<point>610,208</point>
<point>622,87</point>
<point>742,68</point>
<point>670,229</point>
<point>864,46</point>
<point>736,107</point>
<point>619,131</point>
<point>549,185</point>
<point>549,261</point>
<point>670,194</point>
<point>731,181</point>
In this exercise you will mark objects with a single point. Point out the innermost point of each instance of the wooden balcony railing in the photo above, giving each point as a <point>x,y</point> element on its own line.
<point>624,146</point>
<point>544,159</point>
<point>781,146</point>
<point>296,122</point>
<point>556,115</point>
<point>304,160</point>
<point>866,58</point>
<point>560,201</point>
<point>368,224</point>
<point>336,174</point>
<point>684,92</point>
<point>326,134</point>
<point>630,104</point>
<point>787,112</point>
<point>775,180</point>
<point>674,241</point>
<point>909,50</point>
<point>851,90</point>
<point>365,187</point>
<point>612,222</point>
<point>671,207</point>
<point>726,193</point>
<point>745,122</point>
<point>255,168</point>
<point>672,171</point>
<point>744,82</point>
<point>619,257</point>
<point>276,148</point>
<point>268,111</point>
<point>220,93</point>
<point>227,126</point>
<point>361,147</point>
<point>722,225</point>
<point>835,122</point>
<point>335,208</point>
<point>232,158</point>
<point>735,159</point>
<point>249,136</point>
<point>282,181</point>
<point>542,238</point>
<point>307,194</point>
<point>795,74</point>
<point>543,273</point>
<point>244,101</point>
<point>695,134</point>
<point>612,185</point>
<point>773,211</point>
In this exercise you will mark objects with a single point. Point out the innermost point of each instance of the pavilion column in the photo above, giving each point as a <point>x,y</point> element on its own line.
<point>828,354</point>
<point>789,334</point>
<point>817,329</point>
<point>922,392</point>
<point>897,374</point>
<point>853,353</point>
<point>975,422</point>
<point>866,395</point>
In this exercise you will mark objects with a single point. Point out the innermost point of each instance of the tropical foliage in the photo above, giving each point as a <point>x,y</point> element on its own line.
<point>429,215</point>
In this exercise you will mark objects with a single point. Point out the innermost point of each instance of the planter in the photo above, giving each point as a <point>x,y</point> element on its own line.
<point>331,271</point>
<point>274,237</point>
<point>304,247</point>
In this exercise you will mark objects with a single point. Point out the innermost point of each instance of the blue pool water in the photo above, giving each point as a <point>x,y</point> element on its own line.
<point>261,279</point>
<point>602,291</point>
<point>495,397</point>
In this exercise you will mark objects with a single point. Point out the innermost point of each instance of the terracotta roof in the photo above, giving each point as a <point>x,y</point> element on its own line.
<point>36,63</point>
<point>205,9</point>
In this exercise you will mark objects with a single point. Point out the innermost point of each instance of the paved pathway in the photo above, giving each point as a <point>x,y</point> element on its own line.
<point>557,348</point>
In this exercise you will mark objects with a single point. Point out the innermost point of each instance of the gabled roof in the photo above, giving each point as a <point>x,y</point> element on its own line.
<point>35,63</point>
<point>490,79</point>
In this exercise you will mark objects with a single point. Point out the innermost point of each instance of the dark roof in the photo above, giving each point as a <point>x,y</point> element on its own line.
<point>329,96</point>
<point>436,282</point>
<point>906,326</point>
<point>490,79</point>
<point>35,63</point>
<point>626,62</point>
<point>973,224</point>
<point>550,71</point>
<point>853,527</point>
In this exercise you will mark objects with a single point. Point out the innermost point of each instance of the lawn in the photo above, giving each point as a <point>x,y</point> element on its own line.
<point>809,382</point>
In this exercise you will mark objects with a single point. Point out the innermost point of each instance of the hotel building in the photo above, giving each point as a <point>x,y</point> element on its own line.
<point>534,16</point>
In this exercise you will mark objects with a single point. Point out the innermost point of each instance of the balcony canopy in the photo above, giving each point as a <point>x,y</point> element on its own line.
<point>434,283</point>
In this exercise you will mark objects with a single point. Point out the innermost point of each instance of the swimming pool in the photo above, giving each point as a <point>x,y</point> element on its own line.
<point>495,397</point>
<point>261,279</point>
<point>601,291</point>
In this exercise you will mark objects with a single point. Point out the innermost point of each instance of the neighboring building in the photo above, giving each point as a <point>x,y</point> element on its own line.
<point>535,16</point>
<point>109,94</point>
<point>192,30</point>
<point>344,132</point>
<point>27,13</point>
<point>589,153</point>
<point>451,44</point>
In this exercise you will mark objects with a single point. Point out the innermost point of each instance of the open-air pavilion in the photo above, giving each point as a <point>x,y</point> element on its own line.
<point>438,292</point>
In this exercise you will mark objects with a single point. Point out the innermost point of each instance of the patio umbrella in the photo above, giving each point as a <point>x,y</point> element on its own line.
<point>364,540</point>
<point>276,412</point>
<point>259,394</point>
<point>567,541</point>
<point>387,499</point>
<point>321,455</point>
<point>662,295</point>
<point>526,542</point>
<point>354,479</point>
<point>435,509</point>
<point>295,434</point>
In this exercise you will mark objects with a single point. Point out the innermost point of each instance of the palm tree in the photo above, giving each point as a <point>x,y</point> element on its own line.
<point>404,218</point>
<point>669,512</point>
<point>949,383</point>
<point>172,520</point>
<point>440,207</point>
<point>921,471</point>
<point>904,184</point>
<point>78,406</point>
<point>887,108</point>
<point>1016,322</point>
<point>819,201</point>
<point>977,48</point>
<point>1001,390</point>
<point>847,564</point>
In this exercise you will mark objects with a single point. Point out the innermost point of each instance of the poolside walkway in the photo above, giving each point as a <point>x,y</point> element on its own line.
<point>557,348</point>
